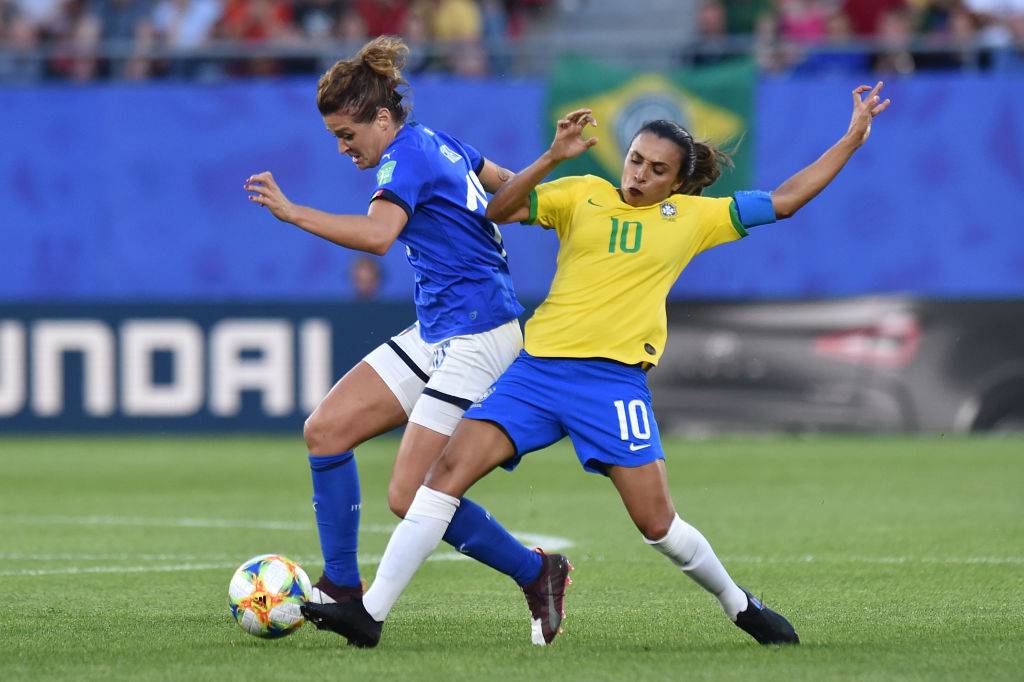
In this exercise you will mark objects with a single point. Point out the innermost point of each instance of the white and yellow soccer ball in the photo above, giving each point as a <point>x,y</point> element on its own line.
<point>265,595</point>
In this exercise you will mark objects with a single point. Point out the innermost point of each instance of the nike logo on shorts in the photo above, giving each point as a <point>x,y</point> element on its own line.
<point>633,447</point>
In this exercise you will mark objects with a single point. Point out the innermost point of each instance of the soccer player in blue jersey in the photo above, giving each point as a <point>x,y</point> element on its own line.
<point>582,372</point>
<point>430,196</point>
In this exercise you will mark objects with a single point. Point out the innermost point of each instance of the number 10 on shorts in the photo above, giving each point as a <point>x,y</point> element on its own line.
<point>639,422</point>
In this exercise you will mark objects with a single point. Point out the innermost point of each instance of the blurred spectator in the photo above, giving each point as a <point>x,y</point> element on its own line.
<point>259,21</point>
<point>802,21</point>
<point>742,16</point>
<point>125,25</point>
<point>21,37</point>
<point>458,26</point>
<point>895,31</point>
<point>186,24</point>
<point>366,277</point>
<point>87,39</point>
<point>318,19</point>
<point>836,55</point>
<point>183,25</point>
<point>457,20</point>
<point>1001,24</point>
<point>382,17</point>
<point>712,34</point>
<point>866,15</point>
<point>416,32</point>
<point>352,28</point>
<point>468,59</point>
<point>75,33</point>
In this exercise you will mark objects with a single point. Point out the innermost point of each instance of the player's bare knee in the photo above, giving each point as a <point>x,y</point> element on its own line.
<point>654,529</point>
<point>441,471</point>
<point>324,436</point>
<point>399,500</point>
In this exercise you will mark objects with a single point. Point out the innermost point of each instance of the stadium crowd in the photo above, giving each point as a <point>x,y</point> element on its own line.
<point>138,39</point>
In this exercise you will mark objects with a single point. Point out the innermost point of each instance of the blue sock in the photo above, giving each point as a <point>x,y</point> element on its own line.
<point>473,532</point>
<point>336,504</point>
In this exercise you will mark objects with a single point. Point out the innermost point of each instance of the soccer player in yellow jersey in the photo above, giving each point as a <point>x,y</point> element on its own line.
<point>582,373</point>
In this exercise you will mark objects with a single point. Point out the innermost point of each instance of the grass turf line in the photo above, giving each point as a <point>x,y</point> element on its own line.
<point>895,558</point>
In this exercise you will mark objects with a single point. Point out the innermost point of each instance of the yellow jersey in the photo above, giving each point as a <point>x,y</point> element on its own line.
<point>616,264</point>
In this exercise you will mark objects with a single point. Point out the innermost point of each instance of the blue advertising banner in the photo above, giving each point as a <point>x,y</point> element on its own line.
<point>134,192</point>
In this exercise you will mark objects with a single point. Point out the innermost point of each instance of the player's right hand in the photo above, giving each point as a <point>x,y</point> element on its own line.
<point>569,142</point>
<point>265,192</point>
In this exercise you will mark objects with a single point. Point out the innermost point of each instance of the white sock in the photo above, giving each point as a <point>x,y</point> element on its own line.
<point>414,539</point>
<point>690,551</point>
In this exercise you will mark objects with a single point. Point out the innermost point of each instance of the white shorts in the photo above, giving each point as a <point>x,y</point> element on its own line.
<point>437,382</point>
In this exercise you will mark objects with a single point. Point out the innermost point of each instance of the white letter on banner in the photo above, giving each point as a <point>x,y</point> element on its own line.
<point>50,340</point>
<point>12,367</point>
<point>317,373</point>
<point>140,340</point>
<point>272,372</point>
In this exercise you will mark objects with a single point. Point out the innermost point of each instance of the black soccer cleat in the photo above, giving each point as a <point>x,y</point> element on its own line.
<point>348,619</point>
<point>763,624</point>
<point>546,597</point>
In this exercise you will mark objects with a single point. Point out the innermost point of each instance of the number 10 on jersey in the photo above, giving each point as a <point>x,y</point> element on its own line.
<point>625,238</point>
<point>639,423</point>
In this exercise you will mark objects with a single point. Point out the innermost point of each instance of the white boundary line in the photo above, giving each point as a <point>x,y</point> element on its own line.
<point>191,562</point>
<point>196,563</point>
<point>453,556</point>
<point>552,543</point>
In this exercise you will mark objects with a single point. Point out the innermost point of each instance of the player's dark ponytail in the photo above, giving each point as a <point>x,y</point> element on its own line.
<point>361,85</point>
<point>702,163</point>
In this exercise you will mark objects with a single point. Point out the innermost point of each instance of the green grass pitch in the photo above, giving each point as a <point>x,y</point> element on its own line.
<point>895,558</point>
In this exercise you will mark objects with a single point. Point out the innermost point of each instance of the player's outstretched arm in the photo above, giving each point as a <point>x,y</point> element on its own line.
<point>373,233</point>
<point>492,176</point>
<point>791,195</point>
<point>511,203</point>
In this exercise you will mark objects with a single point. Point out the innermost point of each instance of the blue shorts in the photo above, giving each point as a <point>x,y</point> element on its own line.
<point>602,405</point>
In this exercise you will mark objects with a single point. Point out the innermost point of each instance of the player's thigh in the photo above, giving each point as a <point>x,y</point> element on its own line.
<point>374,397</point>
<point>464,368</point>
<point>473,451</point>
<point>645,494</point>
<point>357,408</point>
<point>419,449</point>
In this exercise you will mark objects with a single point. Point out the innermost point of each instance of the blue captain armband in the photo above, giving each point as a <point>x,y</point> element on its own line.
<point>754,208</point>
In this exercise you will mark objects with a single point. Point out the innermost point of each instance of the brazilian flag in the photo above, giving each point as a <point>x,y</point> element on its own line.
<point>714,103</point>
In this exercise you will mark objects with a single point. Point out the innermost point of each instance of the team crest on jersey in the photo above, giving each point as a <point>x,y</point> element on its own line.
<point>668,211</point>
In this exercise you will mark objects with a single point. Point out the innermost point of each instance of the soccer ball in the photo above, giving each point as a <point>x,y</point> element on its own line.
<point>265,595</point>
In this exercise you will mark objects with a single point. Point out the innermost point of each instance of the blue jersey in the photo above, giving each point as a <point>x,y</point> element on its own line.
<point>463,284</point>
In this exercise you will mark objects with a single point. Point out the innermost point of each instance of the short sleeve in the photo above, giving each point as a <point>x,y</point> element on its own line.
<point>475,158</point>
<point>403,179</point>
<point>720,222</point>
<point>552,203</point>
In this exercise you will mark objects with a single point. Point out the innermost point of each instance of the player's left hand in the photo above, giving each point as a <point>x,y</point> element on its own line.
<point>569,141</point>
<point>865,110</point>
<point>265,192</point>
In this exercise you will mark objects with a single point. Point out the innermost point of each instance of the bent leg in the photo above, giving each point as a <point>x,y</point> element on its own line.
<point>474,449</point>
<point>472,531</point>
<point>644,492</point>
<point>358,407</point>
